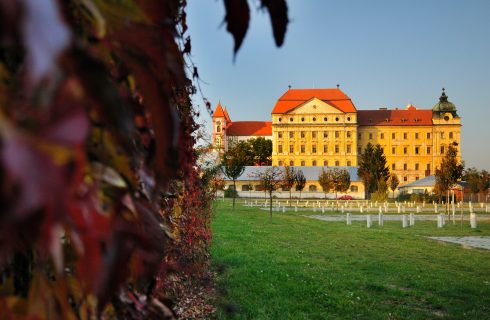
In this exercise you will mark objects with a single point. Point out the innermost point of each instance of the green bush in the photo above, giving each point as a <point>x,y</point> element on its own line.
<point>379,196</point>
<point>230,193</point>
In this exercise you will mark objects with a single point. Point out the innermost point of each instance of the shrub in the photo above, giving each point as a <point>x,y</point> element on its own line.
<point>231,193</point>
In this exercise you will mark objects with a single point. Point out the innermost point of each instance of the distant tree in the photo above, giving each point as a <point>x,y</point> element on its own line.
<point>300,181</point>
<point>484,182</point>
<point>472,178</point>
<point>271,179</point>
<point>372,167</point>
<point>341,180</point>
<point>325,179</point>
<point>261,150</point>
<point>233,163</point>
<point>381,193</point>
<point>393,182</point>
<point>289,180</point>
<point>449,172</point>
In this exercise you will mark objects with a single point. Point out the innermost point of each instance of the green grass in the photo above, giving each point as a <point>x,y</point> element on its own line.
<point>299,268</point>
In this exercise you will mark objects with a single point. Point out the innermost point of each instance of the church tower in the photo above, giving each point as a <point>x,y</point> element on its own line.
<point>220,121</point>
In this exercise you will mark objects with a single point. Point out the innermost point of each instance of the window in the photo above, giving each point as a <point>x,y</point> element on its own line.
<point>416,178</point>
<point>337,134</point>
<point>416,135</point>
<point>303,163</point>
<point>279,148</point>
<point>313,149</point>
<point>302,119</point>
<point>337,163</point>
<point>442,149</point>
<point>291,135</point>
<point>302,134</point>
<point>348,134</point>
<point>405,166</point>
<point>312,188</point>
<point>349,163</point>
<point>218,126</point>
<point>442,135</point>
<point>417,150</point>
<point>325,163</point>
<point>405,149</point>
<point>218,141</point>
<point>283,188</point>
<point>354,189</point>
<point>405,179</point>
<point>325,119</point>
<point>370,136</point>
<point>313,134</point>
<point>337,119</point>
<point>280,119</point>
<point>291,148</point>
<point>428,135</point>
<point>383,149</point>
<point>325,148</point>
<point>416,166</point>
<point>314,119</point>
<point>393,135</point>
<point>428,150</point>
<point>393,167</point>
<point>427,167</point>
<point>325,134</point>
<point>405,135</point>
<point>382,135</point>
<point>291,163</point>
<point>279,135</point>
<point>359,149</point>
<point>336,148</point>
<point>313,163</point>
<point>302,148</point>
<point>348,118</point>
<point>359,136</point>
<point>291,119</point>
<point>393,150</point>
<point>349,148</point>
<point>280,162</point>
<point>246,187</point>
<point>450,135</point>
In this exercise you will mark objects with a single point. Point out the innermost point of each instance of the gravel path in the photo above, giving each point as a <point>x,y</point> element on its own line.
<point>388,217</point>
<point>475,242</point>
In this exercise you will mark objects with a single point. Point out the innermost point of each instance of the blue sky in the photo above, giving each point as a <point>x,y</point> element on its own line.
<point>382,53</point>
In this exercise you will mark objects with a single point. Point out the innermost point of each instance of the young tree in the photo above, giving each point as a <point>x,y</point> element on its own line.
<point>289,180</point>
<point>472,178</point>
<point>233,163</point>
<point>484,183</point>
<point>300,181</point>
<point>341,180</point>
<point>261,150</point>
<point>393,183</point>
<point>271,178</point>
<point>372,167</point>
<point>325,179</point>
<point>449,172</point>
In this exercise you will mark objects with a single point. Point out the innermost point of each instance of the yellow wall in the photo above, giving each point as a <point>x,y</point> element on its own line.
<point>415,151</point>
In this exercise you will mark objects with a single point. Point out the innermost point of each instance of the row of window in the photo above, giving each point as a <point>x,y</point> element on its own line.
<point>314,119</point>
<point>302,148</point>
<point>417,135</point>
<point>405,166</point>
<point>314,134</point>
<point>314,163</point>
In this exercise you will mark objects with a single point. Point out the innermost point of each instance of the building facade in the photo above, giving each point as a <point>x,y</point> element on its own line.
<point>322,127</point>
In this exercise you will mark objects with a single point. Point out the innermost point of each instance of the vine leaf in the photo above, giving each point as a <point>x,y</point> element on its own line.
<point>237,19</point>
<point>278,11</point>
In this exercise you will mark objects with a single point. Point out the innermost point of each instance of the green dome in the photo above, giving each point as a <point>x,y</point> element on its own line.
<point>444,104</point>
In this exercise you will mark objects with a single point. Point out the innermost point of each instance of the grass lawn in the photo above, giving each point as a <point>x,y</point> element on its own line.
<point>299,268</point>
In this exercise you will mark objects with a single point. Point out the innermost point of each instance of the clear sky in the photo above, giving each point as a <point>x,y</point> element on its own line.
<point>383,53</point>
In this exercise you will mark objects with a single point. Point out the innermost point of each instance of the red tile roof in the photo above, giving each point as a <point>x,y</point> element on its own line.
<point>219,111</point>
<point>227,116</point>
<point>409,117</point>
<point>295,97</point>
<point>249,128</point>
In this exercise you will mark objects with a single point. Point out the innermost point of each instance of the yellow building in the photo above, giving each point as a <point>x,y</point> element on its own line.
<point>322,127</point>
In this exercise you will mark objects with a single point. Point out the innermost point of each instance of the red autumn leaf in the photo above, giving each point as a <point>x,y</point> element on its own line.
<point>278,11</point>
<point>237,19</point>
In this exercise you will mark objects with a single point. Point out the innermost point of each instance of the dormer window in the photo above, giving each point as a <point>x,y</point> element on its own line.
<point>280,119</point>
<point>325,119</point>
<point>302,119</point>
<point>337,119</point>
<point>314,119</point>
<point>291,119</point>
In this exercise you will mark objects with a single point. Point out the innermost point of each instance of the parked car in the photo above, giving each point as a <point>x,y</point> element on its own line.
<point>345,197</point>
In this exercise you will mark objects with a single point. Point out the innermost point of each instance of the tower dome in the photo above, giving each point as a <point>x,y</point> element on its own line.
<point>444,105</point>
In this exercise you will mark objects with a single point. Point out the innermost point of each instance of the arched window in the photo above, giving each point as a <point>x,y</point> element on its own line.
<point>218,126</point>
<point>312,188</point>
<point>218,141</point>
